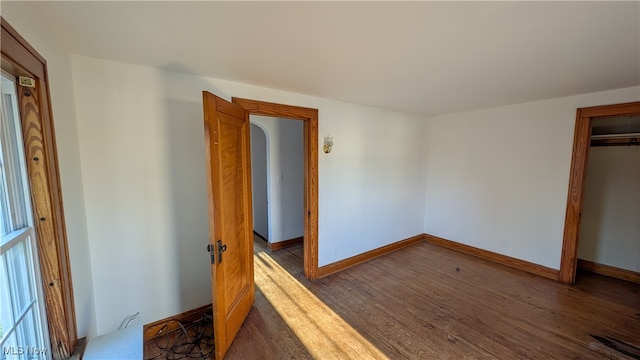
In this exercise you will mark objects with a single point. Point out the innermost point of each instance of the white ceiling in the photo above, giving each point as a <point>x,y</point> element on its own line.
<point>420,57</point>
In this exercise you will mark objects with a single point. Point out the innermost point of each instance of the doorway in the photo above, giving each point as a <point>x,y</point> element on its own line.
<point>609,242</point>
<point>259,181</point>
<point>277,163</point>
<point>581,145</point>
<point>309,117</point>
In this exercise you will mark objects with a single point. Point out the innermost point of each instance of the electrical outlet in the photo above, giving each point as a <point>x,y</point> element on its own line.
<point>503,243</point>
<point>334,250</point>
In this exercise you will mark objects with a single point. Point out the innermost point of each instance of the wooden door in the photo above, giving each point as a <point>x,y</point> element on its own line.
<point>228,157</point>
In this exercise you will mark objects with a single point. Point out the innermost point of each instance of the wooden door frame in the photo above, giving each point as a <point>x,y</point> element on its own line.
<point>310,118</point>
<point>579,158</point>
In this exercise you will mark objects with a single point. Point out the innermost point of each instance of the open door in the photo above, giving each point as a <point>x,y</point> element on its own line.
<point>230,224</point>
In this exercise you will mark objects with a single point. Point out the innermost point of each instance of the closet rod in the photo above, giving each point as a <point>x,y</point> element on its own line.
<point>615,136</point>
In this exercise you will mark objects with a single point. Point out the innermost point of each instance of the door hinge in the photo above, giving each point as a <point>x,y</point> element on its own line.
<point>210,249</point>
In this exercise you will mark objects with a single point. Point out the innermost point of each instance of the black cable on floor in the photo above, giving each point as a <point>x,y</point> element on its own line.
<point>192,341</point>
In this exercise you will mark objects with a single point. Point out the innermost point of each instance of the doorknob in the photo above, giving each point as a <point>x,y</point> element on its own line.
<point>221,248</point>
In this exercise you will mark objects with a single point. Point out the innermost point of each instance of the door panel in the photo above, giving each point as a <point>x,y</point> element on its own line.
<point>230,224</point>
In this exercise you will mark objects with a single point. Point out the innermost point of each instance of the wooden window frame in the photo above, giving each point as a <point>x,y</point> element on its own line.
<point>577,176</point>
<point>21,59</point>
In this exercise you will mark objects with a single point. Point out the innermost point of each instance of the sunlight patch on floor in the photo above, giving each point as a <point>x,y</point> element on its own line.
<point>325,334</point>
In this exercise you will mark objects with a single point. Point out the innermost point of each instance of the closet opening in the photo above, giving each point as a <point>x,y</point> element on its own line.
<point>609,242</point>
<point>603,204</point>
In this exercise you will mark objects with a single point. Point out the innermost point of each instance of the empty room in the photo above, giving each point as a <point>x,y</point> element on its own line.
<point>320,180</point>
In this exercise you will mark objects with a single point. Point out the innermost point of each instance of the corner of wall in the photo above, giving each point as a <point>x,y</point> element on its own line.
<point>425,168</point>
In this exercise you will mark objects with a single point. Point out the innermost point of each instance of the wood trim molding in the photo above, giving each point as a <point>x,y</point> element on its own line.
<point>19,58</point>
<point>310,118</point>
<point>20,53</point>
<point>581,143</point>
<point>172,323</point>
<point>579,158</point>
<point>523,265</point>
<point>494,257</point>
<point>369,255</point>
<point>264,108</point>
<point>608,270</point>
<point>285,244</point>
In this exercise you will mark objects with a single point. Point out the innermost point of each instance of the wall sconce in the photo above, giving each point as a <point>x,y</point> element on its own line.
<point>328,144</point>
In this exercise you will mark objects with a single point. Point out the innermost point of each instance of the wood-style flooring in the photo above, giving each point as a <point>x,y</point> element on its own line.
<point>427,302</point>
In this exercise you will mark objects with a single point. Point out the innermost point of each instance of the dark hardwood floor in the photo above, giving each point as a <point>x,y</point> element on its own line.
<point>427,302</point>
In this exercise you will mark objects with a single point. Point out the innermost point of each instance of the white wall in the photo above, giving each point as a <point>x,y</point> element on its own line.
<point>259,175</point>
<point>501,175</point>
<point>135,162</point>
<point>22,17</point>
<point>610,226</point>
<point>131,154</point>
<point>145,184</point>
<point>286,176</point>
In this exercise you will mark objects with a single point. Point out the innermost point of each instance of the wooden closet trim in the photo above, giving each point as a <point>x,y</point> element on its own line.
<point>579,158</point>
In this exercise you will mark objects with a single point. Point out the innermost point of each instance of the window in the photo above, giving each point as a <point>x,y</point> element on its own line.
<point>36,230</point>
<point>22,329</point>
